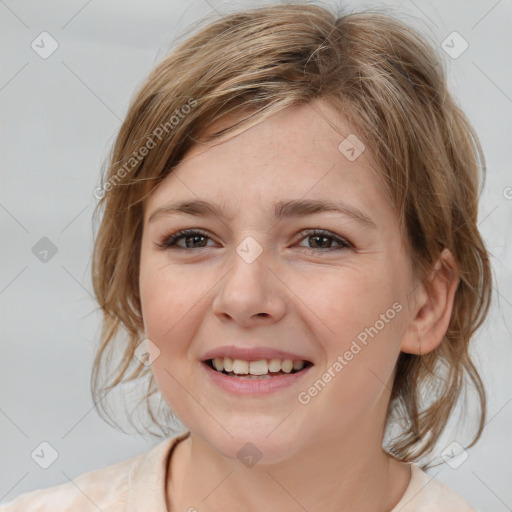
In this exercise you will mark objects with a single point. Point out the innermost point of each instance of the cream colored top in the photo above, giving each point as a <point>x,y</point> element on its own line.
<point>138,485</point>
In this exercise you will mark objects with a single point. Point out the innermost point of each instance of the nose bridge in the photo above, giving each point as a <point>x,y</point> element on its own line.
<point>248,264</point>
<point>249,288</point>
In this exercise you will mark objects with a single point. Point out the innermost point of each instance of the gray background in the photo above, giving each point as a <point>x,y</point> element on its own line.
<point>59,116</point>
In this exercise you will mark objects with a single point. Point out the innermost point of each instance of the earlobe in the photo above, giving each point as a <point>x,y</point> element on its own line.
<point>434,306</point>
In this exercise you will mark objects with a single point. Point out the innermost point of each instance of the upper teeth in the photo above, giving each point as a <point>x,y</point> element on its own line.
<point>261,367</point>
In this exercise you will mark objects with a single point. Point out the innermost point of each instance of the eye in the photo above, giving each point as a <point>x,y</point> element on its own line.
<point>197,239</point>
<point>321,237</point>
<point>190,237</point>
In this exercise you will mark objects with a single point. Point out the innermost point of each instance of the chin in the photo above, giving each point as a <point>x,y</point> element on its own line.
<point>254,441</point>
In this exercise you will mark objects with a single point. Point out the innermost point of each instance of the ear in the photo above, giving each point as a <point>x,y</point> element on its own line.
<point>433,307</point>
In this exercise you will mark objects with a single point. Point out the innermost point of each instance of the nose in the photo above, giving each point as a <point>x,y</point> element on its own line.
<point>250,293</point>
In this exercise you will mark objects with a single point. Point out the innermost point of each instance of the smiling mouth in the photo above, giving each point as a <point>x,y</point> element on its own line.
<point>261,369</point>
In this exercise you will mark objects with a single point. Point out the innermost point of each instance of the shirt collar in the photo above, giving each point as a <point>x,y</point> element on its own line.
<point>147,480</point>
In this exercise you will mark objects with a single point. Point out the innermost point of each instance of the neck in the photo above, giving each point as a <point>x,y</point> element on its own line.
<point>344,473</point>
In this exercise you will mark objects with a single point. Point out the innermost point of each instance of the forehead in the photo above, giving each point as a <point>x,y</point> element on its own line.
<point>293,154</point>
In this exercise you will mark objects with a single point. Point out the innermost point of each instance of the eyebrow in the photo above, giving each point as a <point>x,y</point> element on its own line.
<point>283,209</point>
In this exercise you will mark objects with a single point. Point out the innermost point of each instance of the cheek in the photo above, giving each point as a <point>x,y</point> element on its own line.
<point>165,293</point>
<point>174,303</point>
<point>167,306</point>
<point>363,318</point>
<point>353,301</point>
<point>169,318</point>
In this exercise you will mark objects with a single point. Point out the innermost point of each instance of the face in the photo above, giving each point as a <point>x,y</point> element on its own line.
<point>323,288</point>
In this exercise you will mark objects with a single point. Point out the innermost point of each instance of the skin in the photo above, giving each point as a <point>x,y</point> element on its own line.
<point>296,296</point>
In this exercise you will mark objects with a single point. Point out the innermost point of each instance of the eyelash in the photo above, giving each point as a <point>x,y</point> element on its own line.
<point>169,242</point>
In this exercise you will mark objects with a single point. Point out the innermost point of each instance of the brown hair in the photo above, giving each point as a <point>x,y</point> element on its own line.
<point>389,82</point>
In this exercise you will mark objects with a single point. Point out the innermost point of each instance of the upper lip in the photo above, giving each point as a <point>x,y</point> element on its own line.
<point>251,354</point>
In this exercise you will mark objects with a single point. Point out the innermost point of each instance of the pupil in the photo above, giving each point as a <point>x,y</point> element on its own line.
<point>194,238</point>
<point>320,237</point>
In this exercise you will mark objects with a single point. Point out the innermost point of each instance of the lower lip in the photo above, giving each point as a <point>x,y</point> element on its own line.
<point>240,386</point>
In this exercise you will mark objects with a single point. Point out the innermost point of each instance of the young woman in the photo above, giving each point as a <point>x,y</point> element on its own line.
<point>288,241</point>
